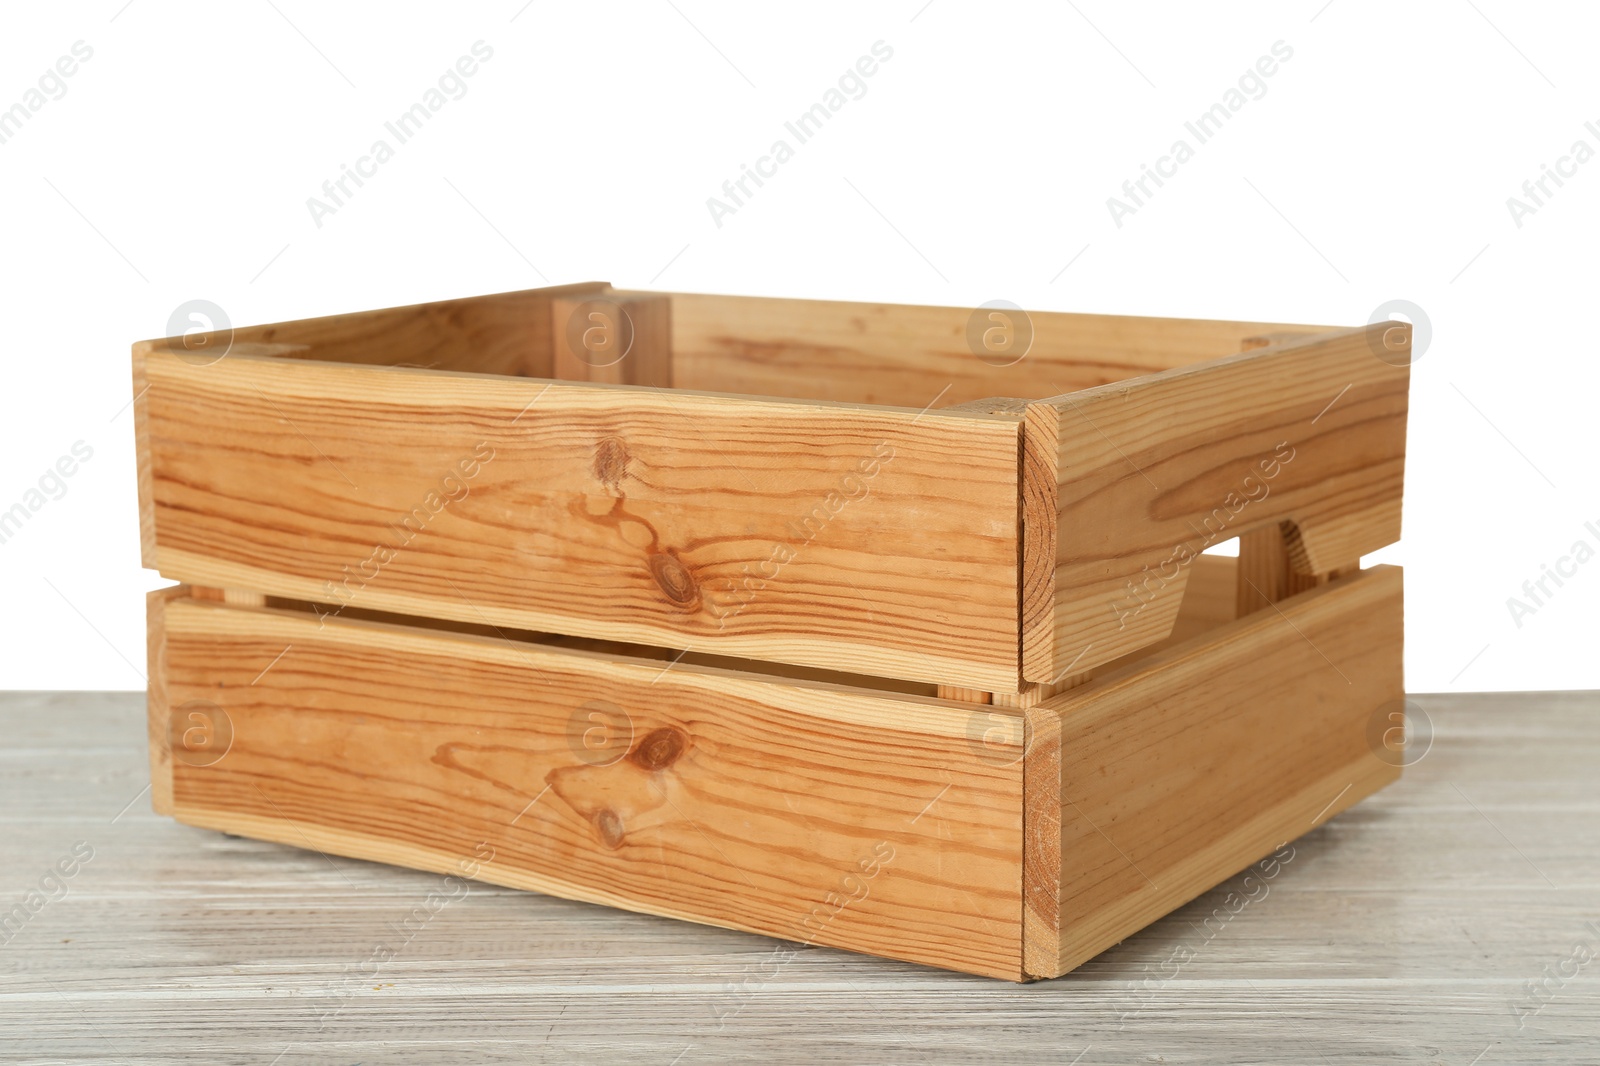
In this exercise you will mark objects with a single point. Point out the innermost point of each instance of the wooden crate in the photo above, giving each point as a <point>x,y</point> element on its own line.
<point>850,624</point>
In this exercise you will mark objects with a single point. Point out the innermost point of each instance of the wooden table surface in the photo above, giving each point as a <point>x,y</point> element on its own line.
<point>1451,919</point>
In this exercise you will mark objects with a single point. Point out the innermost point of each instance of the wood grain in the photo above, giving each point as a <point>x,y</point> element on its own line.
<point>506,333</point>
<point>1181,769</point>
<point>1208,602</point>
<point>144,474</point>
<point>912,356</point>
<point>870,540</point>
<point>158,704</point>
<point>1127,483</point>
<point>1266,574</point>
<point>809,812</point>
<point>1044,870</point>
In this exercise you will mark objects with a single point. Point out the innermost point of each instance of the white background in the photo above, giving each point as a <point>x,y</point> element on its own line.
<point>977,166</point>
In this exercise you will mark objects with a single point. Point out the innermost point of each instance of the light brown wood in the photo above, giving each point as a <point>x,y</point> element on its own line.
<point>870,540</point>
<point>1286,335</point>
<point>1208,602</point>
<point>813,813</point>
<point>1208,598</point>
<point>237,597</point>
<point>1188,765</point>
<point>912,356</point>
<point>507,333</point>
<point>157,703</point>
<point>1265,573</point>
<point>1036,692</point>
<point>144,476</point>
<point>616,338</point>
<point>1126,484</point>
<point>1013,407</point>
<point>1179,763</point>
<point>1044,869</point>
<point>1081,573</point>
<point>438,550</point>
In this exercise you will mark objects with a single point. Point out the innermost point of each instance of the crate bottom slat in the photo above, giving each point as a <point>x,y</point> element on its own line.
<point>803,810</point>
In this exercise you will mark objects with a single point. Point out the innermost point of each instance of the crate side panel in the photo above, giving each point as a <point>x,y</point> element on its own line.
<point>1150,473</point>
<point>1179,772</point>
<point>813,813</point>
<point>909,355</point>
<point>504,333</point>
<point>868,540</point>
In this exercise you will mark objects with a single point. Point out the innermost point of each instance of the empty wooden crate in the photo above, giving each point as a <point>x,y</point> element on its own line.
<point>884,627</point>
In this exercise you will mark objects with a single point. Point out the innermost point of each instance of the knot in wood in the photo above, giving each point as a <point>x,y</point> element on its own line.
<point>659,749</point>
<point>611,461</point>
<point>609,825</point>
<point>674,579</point>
